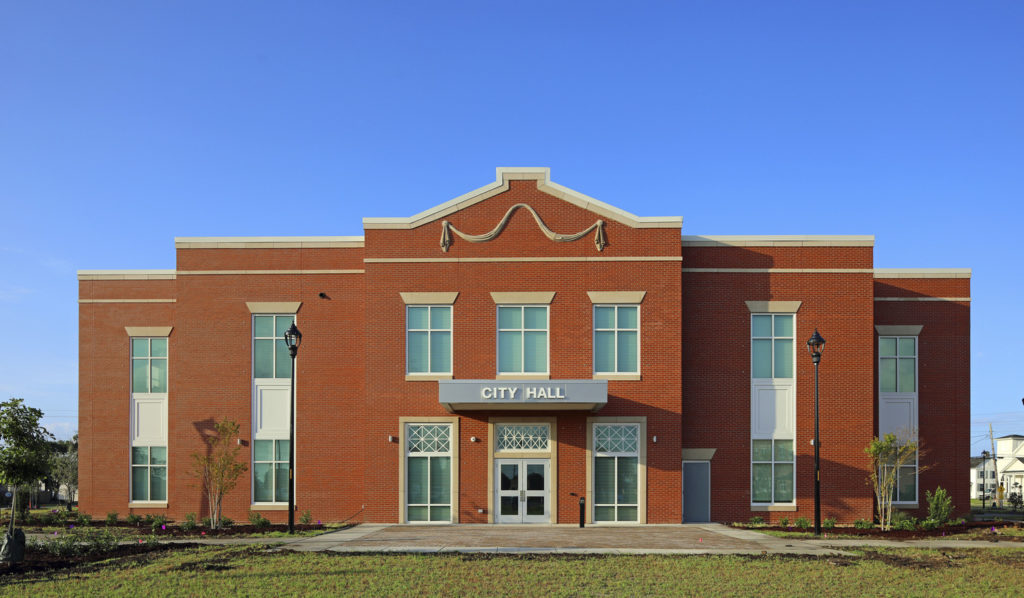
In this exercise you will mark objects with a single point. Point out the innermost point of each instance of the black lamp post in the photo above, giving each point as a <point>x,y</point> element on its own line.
<point>984,477</point>
<point>292,338</point>
<point>816,346</point>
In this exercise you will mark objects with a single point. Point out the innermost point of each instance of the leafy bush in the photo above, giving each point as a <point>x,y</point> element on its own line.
<point>784,522</point>
<point>929,524</point>
<point>306,517</point>
<point>863,524</point>
<point>958,521</point>
<point>190,522</point>
<point>226,521</point>
<point>257,520</point>
<point>77,543</point>
<point>802,522</point>
<point>157,521</point>
<point>904,522</point>
<point>829,523</point>
<point>83,519</point>
<point>112,518</point>
<point>133,519</point>
<point>206,521</point>
<point>940,505</point>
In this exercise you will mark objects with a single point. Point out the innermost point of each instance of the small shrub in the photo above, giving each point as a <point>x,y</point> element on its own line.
<point>157,521</point>
<point>190,522</point>
<point>929,524</point>
<point>133,519</point>
<point>803,523</point>
<point>83,519</point>
<point>257,520</point>
<point>206,521</point>
<point>940,505</point>
<point>905,523</point>
<point>226,521</point>
<point>148,520</point>
<point>784,522</point>
<point>829,523</point>
<point>77,543</point>
<point>957,521</point>
<point>306,517</point>
<point>863,524</point>
<point>112,518</point>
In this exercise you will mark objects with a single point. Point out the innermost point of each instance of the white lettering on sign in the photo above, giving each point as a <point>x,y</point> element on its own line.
<point>532,393</point>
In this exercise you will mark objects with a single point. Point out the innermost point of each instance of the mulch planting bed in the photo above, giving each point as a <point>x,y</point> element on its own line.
<point>992,527</point>
<point>44,561</point>
<point>176,531</point>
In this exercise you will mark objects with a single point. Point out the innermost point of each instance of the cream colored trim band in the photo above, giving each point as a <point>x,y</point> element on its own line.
<point>784,270</point>
<point>773,307</point>
<point>236,272</point>
<point>922,272</point>
<point>126,274</point>
<point>534,298</point>
<point>602,258</point>
<point>429,298</point>
<point>778,240</point>
<point>922,298</point>
<point>148,330</point>
<point>127,300</point>
<point>616,296</point>
<point>899,330</point>
<point>273,307</point>
<point>266,242</point>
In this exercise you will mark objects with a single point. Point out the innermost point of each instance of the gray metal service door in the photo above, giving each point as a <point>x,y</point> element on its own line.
<point>696,491</point>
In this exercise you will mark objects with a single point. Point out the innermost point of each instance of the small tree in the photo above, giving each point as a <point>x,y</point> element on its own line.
<point>940,505</point>
<point>888,454</point>
<point>64,471</point>
<point>24,448</point>
<point>219,469</point>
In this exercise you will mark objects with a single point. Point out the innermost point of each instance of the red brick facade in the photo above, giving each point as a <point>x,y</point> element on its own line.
<point>694,386</point>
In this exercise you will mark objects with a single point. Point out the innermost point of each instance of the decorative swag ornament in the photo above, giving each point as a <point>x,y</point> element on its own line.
<point>447,229</point>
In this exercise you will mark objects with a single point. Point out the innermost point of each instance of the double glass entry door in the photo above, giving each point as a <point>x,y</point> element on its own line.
<point>523,488</point>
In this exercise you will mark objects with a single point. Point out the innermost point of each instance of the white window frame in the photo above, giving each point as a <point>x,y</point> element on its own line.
<point>911,396</point>
<point>639,464</point>
<point>259,384</point>
<point>616,330</point>
<point>522,330</point>
<point>274,462</point>
<point>139,398</point>
<point>787,384</point>
<point>452,473</point>
<point>430,330</point>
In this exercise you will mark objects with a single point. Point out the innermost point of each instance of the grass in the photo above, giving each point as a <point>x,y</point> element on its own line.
<point>233,570</point>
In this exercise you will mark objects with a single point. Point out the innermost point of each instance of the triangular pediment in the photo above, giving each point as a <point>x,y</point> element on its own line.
<point>544,184</point>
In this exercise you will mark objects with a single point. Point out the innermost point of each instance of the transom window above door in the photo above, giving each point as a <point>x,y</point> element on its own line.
<point>522,437</point>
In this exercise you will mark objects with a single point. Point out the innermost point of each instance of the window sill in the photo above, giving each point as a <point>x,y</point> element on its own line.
<point>426,377</point>
<point>772,508</point>
<point>544,376</point>
<point>268,507</point>
<point>137,504</point>
<point>905,505</point>
<point>616,376</point>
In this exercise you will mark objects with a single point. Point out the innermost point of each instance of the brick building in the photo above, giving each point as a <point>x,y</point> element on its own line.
<point>501,355</point>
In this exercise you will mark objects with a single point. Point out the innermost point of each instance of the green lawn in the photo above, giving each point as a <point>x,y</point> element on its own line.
<point>230,571</point>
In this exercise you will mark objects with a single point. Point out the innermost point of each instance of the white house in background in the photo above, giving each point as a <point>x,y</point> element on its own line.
<point>1006,469</point>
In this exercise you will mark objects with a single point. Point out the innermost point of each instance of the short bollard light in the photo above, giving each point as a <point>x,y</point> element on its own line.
<point>583,509</point>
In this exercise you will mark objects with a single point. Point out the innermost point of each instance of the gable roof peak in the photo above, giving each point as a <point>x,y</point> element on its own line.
<point>542,175</point>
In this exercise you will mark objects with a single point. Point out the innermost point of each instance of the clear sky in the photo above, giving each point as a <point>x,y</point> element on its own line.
<point>125,124</point>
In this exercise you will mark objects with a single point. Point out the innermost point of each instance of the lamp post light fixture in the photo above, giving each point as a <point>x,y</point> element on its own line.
<point>816,346</point>
<point>984,477</point>
<point>292,338</point>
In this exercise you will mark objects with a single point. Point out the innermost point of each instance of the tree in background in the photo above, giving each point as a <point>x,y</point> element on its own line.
<point>219,469</point>
<point>24,455</point>
<point>64,467</point>
<point>888,454</point>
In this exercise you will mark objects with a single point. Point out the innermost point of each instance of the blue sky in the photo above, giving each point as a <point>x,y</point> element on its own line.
<point>123,125</point>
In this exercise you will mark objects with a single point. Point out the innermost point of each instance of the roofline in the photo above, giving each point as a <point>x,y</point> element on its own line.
<point>922,272</point>
<point>127,274</point>
<point>542,175</point>
<point>266,242</point>
<point>778,240</point>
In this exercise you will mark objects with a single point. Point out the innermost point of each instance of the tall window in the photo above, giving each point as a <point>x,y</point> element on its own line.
<point>898,404</point>
<point>271,372</point>
<point>428,339</point>
<point>522,339</point>
<point>428,473</point>
<point>149,419</point>
<point>616,339</point>
<point>270,470</point>
<point>772,471</point>
<point>270,357</point>
<point>616,460</point>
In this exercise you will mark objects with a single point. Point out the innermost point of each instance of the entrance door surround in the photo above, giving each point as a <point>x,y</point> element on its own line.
<point>525,450</point>
<point>523,490</point>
